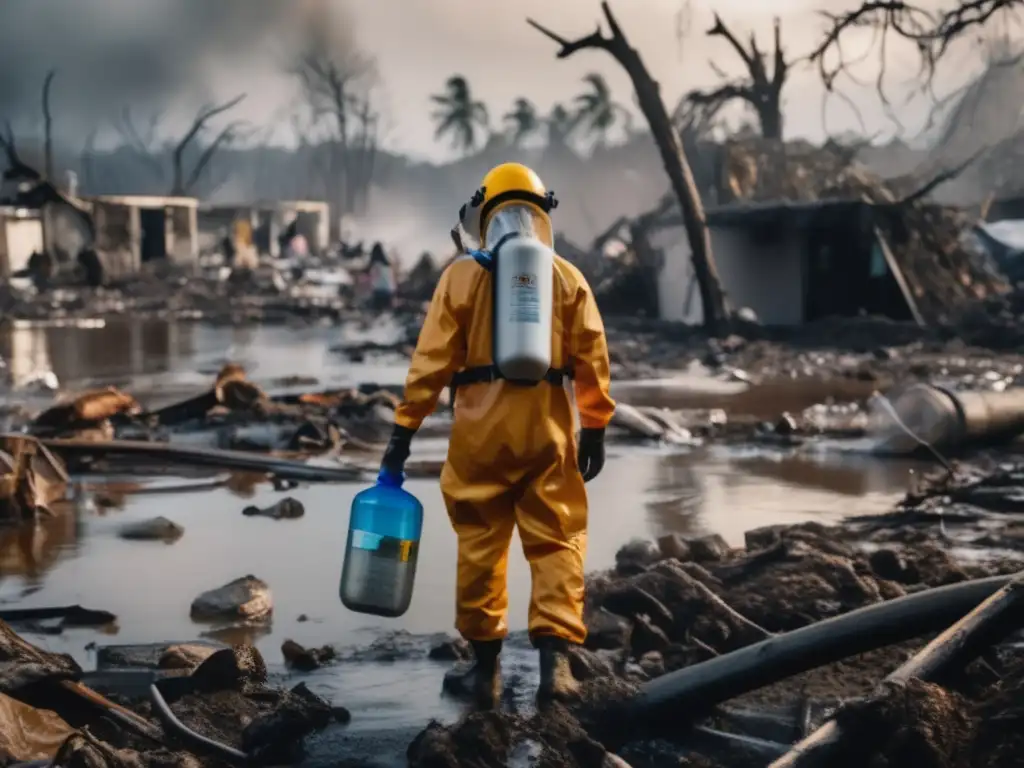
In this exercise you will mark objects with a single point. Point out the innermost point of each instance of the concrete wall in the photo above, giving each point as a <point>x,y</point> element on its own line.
<point>66,231</point>
<point>182,234</point>
<point>19,238</point>
<point>118,232</point>
<point>765,276</point>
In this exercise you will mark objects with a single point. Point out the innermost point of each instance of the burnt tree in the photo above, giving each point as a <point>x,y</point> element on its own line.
<point>673,157</point>
<point>143,142</point>
<point>182,185</point>
<point>48,126</point>
<point>760,89</point>
<point>335,77</point>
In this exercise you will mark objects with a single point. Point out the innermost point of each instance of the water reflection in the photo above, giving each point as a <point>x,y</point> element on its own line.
<point>674,496</point>
<point>28,552</point>
<point>719,490</point>
<point>163,357</point>
<point>847,475</point>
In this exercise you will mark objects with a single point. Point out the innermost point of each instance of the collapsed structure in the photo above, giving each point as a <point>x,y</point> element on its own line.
<point>805,233</point>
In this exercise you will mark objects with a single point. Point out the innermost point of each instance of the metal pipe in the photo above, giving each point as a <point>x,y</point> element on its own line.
<point>684,695</point>
<point>192,738</point>
<point>947,420</point>
<point>988,623</point>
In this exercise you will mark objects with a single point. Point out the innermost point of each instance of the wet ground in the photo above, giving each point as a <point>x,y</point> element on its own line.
<point>644,492</point>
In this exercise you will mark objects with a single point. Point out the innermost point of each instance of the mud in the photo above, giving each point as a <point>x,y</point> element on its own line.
<point>659,610</point>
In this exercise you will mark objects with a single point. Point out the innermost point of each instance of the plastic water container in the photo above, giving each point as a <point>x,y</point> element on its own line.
<point>383,546</point>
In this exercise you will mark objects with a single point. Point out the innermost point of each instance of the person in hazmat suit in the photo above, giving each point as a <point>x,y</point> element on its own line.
<point>514,458</point>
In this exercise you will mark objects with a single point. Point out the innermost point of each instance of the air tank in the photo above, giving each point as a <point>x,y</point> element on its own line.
<point>523,296</point>
<point>382,549</point>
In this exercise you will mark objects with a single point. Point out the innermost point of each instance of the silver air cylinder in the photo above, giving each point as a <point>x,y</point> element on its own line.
<point>523,298</point>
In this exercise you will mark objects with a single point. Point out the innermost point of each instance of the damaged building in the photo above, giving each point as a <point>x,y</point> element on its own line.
<point>146,229</point>
<point>123,232</point>
<point>266,226</point>
<point>790,263</point>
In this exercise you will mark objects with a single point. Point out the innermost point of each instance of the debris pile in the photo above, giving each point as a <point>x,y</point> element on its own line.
<point>929,242</point>
<point>683,604</point>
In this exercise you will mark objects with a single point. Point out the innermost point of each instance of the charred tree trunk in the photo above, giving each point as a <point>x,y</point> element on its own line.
<point>769,115</point>
<point>672,157</point>
<point>48,127</point>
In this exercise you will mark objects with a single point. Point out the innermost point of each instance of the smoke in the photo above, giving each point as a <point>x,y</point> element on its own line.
<point>150,54</point>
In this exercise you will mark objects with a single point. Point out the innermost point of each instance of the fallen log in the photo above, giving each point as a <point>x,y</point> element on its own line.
<point>988,623</point>
<point>206,457</point>
<point>667,702</point>
<point>72,615</point>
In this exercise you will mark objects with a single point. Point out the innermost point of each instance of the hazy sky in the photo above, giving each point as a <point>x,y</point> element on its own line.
<point>156,53</point>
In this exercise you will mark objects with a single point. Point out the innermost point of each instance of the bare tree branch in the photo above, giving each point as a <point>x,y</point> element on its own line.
<point>141,144</point>
<point>941,178</point>
<point>669,143</point>
<point>226,136</point>
<point>930,32</point>
<point>761,90</point>
<point>198,124</point>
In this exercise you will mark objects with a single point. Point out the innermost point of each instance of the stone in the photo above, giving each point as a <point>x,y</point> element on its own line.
<point>635,557</point>
<point>154,529</point>
<point>285,509</point>
<point>245,598</point>
<point>674,546</point>
<point>709,549</point>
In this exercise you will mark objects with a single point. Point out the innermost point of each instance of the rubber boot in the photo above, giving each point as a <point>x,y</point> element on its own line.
<point>557,682</point>
<point>479,682</point>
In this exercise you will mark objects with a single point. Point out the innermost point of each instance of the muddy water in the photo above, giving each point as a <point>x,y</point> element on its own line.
<point>78,558</point>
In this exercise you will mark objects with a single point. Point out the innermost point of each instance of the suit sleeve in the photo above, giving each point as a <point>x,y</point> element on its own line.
<point>593,369</point>
<point>440,351</point>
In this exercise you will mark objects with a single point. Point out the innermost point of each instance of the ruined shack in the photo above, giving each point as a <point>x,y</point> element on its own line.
<point>40,219</point>
<point>790,263</point>
<point>266,226</point>
<point>21,235</point>
<point>136,230</point>
<point>811,233</point>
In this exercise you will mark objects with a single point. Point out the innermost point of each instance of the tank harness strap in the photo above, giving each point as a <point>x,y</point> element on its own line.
<point>485,374</point>
<point>485,258</point>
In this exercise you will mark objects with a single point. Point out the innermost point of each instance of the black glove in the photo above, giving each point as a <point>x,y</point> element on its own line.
<point>591,453</point>
<point>397,452</point>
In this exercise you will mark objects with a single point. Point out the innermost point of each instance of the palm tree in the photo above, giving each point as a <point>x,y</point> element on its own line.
<point>596,112</point>
<point>560,124</point>
<point>458,115</point>
<point>523,120</point>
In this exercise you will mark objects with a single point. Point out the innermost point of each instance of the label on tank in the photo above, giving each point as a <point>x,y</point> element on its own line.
<point>525,299</point>
<point>389,547</point>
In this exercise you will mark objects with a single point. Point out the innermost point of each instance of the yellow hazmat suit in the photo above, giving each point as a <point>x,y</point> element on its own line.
<point>512,456</point>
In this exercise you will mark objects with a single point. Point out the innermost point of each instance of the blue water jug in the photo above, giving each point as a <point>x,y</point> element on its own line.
<point>383,545</point>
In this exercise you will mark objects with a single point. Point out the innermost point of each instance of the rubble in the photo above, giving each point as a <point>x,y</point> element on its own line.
<point>658,613</point>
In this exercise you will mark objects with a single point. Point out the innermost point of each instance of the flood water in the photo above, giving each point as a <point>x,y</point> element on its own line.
<point>78,558</point>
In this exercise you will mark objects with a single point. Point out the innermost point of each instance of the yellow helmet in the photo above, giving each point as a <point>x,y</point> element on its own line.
<point>504,185</point>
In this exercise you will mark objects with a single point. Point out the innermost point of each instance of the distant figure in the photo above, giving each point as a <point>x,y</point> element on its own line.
<point>298,247</point>
<point>227,247</point>
<point>285,238</point>
<point>382,280</point>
